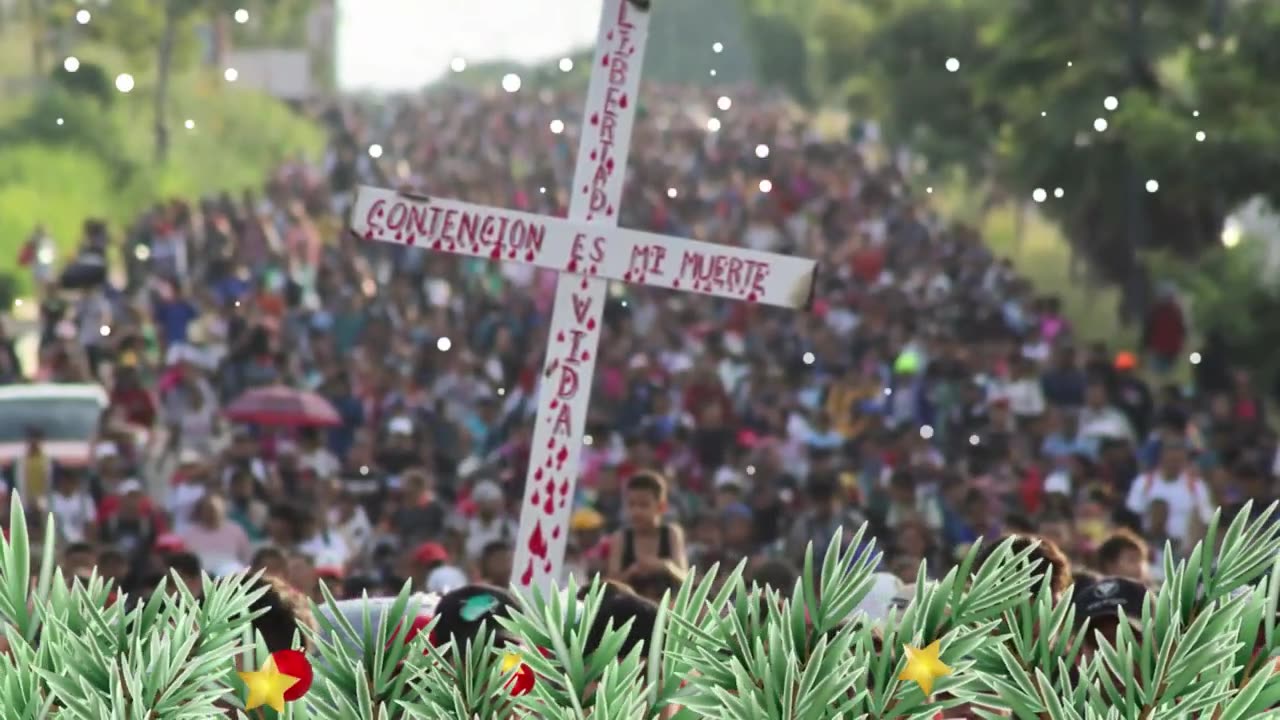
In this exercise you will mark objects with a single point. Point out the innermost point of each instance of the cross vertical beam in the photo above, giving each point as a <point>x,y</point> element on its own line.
<point>576,320</point>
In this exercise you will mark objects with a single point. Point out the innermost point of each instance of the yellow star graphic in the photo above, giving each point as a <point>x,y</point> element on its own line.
<point>924,666</point>
<point>510,661</point>
<point>267,687</point>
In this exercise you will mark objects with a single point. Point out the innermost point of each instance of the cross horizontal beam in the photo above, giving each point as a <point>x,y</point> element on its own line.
<point>583,248</point>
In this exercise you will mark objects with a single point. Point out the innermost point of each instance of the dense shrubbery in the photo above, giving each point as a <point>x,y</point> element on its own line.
<point>719,647</point>
<point>99,162</point>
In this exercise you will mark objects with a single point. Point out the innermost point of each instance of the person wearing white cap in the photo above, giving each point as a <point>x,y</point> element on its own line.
<point>192,485</point>
<point>131,524</point>
<point>490,523</point>
<point>729,487</point>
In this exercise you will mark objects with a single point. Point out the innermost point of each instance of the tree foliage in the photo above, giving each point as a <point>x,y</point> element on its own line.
<point>1032,79</point>
<point>723,649</point>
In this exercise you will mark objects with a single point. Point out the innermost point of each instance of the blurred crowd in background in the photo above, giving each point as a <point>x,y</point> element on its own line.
<point>282,395</point>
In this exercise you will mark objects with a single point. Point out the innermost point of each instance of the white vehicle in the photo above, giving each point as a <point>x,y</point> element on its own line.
<point>67,415</point>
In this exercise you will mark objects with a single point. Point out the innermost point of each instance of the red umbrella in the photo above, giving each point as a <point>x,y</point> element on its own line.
<point>283,406</point>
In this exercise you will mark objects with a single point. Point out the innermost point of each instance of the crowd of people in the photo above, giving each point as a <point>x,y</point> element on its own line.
<point>930,392</point>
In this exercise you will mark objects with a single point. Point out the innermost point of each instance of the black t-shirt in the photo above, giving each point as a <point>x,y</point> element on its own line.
<point>369,490</point>
<point>343,176</point>
<point>133,537</point>
<point>711,446</point>
<point>397,461</point>
<point>419,523</point>
<point>51,313</point>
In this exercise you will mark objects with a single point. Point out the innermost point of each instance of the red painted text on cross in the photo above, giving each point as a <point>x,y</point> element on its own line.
<point>414,223</point>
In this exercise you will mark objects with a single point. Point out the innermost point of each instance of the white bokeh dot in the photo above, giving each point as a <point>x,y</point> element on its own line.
<point>1110,102</point>
<point>672,193</point>
<point>713,125</point>
<point>1068,63</point>
<point>124,82</point>
<point>1043,113</point>
<point>566,64</point>
<point>543,189</point>
<point>104,331</point>
<point>375,151</point>
<point>953,64</point>
<point>83,17</point>
<point>713,72</point>
<point>808,358</point>
<point>1195,358</point>
<point>765,186</point>
<point>557,126</point>
<point>762,151</point>
<point>1058,192</point>
<point>1195,113</point>
<point>443,344</point>
<point>60,121</point>
<point>511,82</point>
<point>242,16</point>
<point>724,103</point>
<point>457,64</point>
<point>1039,195</point>
<point>926,432</point>
<point>929,189</point>
<point>974,440</point>
<point>1152,186</point>
<point>717,48</point>
<point>231,74</point>
<point>1100,124</point>
<point>1200,136</point>
<point>587,439</point>
<point>189,124</point>
<point>502,392</point>
<point>71,64</point>
<point>751,469</point>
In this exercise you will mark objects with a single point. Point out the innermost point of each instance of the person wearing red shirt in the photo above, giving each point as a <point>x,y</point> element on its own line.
<point>867,262</point>
<point>704,390</point>
<point>129,522</point>
<point>132,398</point>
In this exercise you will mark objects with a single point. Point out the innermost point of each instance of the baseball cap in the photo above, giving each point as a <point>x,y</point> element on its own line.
<point>586,519</point>
<point>170,542</point>
<point>430,552</point>
<point>460,613</point>
<point>486,491</point>
<point>1106,597</point>
<point>400,426</point>
<point>726,478</point>
<point>445,579</point>
<point>884,597</point>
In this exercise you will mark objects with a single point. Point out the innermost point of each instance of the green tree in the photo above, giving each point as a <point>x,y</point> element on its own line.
<point>1031,83</point>
<point>151,36</point>
<point>274,23</point>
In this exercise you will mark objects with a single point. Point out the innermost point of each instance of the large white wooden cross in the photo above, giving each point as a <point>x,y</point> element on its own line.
<point>588,251</point>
